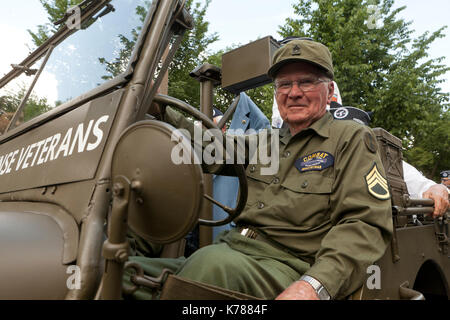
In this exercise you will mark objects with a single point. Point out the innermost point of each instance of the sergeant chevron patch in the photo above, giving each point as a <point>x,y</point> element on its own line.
<point>376,184</point>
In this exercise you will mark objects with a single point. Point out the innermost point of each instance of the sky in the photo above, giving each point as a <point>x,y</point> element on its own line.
<point>235,21</point>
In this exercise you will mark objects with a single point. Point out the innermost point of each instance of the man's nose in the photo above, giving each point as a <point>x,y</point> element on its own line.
<point>295,91</point>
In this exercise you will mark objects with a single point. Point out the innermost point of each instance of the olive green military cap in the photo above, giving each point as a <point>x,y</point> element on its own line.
<point>302,50</point>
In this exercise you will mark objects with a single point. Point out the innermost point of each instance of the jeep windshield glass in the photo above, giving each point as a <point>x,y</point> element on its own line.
<point>83,61</point>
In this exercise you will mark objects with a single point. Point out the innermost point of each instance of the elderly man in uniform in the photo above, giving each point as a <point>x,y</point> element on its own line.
<point>310,230</point>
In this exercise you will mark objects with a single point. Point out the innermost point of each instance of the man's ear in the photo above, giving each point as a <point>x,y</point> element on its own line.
<point>330,91</point>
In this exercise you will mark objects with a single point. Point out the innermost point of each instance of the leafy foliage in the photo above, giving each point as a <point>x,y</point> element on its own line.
<point>34,106</point>
<point>192,53</point>
<point>119,65</point>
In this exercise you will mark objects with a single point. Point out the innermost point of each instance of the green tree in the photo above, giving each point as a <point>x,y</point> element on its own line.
<point>120,63</point>
<point>380,68</point>
<point>10,101</point>
<point>192,53</point>
<point>193,50</point>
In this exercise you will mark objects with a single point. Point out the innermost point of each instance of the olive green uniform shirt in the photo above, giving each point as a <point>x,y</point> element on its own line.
<point>318,205</point>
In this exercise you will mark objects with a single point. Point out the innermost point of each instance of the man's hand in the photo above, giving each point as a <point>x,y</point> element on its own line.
<point>299,290</point>
<point>439,194</point>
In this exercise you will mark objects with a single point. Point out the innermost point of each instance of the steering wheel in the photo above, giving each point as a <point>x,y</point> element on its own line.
<point>239,169</point>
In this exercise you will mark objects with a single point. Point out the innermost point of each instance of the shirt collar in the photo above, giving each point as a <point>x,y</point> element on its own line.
<point>321,127</point>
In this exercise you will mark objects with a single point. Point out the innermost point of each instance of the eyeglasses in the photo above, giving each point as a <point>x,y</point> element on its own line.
<point>285,86</point>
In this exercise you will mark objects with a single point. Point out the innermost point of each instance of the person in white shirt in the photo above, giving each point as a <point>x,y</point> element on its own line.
<point>421,187</point>
<point>417,183</point>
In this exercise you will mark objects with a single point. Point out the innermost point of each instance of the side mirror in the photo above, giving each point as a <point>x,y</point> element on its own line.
<point>165,198</point>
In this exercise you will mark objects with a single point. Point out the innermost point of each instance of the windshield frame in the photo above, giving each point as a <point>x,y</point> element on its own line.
<point>140,69</point>
<point>87,10</point>
<point>50,44</point>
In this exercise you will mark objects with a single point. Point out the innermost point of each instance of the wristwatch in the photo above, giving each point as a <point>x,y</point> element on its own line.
<point>322,293</point>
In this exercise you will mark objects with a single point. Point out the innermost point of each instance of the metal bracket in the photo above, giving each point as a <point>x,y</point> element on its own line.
<point>28,71</point>
<point>139,279</point>
<point>207,72</point>
<point>441,232</point>
<point>115,249</point>
<point>117,252</point>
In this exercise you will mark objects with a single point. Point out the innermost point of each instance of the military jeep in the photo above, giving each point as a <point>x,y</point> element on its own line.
<point>74,176</point>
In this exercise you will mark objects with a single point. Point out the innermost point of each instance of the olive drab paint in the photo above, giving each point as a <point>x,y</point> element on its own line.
<point>75,139</point>
<point>53,147</point>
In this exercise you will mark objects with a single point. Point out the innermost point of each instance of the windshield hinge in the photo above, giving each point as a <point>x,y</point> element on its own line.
<point>28,71</point>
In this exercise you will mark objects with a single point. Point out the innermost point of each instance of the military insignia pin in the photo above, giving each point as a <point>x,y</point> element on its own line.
<point>376,184</point>
<point>296,50</point>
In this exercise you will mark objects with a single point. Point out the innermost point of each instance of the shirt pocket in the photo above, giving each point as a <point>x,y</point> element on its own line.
<point>306,200</point>
<point>257,184</point>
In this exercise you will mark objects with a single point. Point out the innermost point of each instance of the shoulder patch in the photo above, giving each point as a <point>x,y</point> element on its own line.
<point>370,142</point>
<point>377,184</point>
<point>316,161</point>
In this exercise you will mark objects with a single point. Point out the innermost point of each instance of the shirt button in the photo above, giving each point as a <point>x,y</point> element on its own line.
<point>276,180</point>
<point>261,205</point>
<point>305,184</point>
<point>287,154</point>
<point>244,121</point>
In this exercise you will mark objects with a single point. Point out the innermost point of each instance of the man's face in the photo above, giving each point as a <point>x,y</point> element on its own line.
<point>299,108</point>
